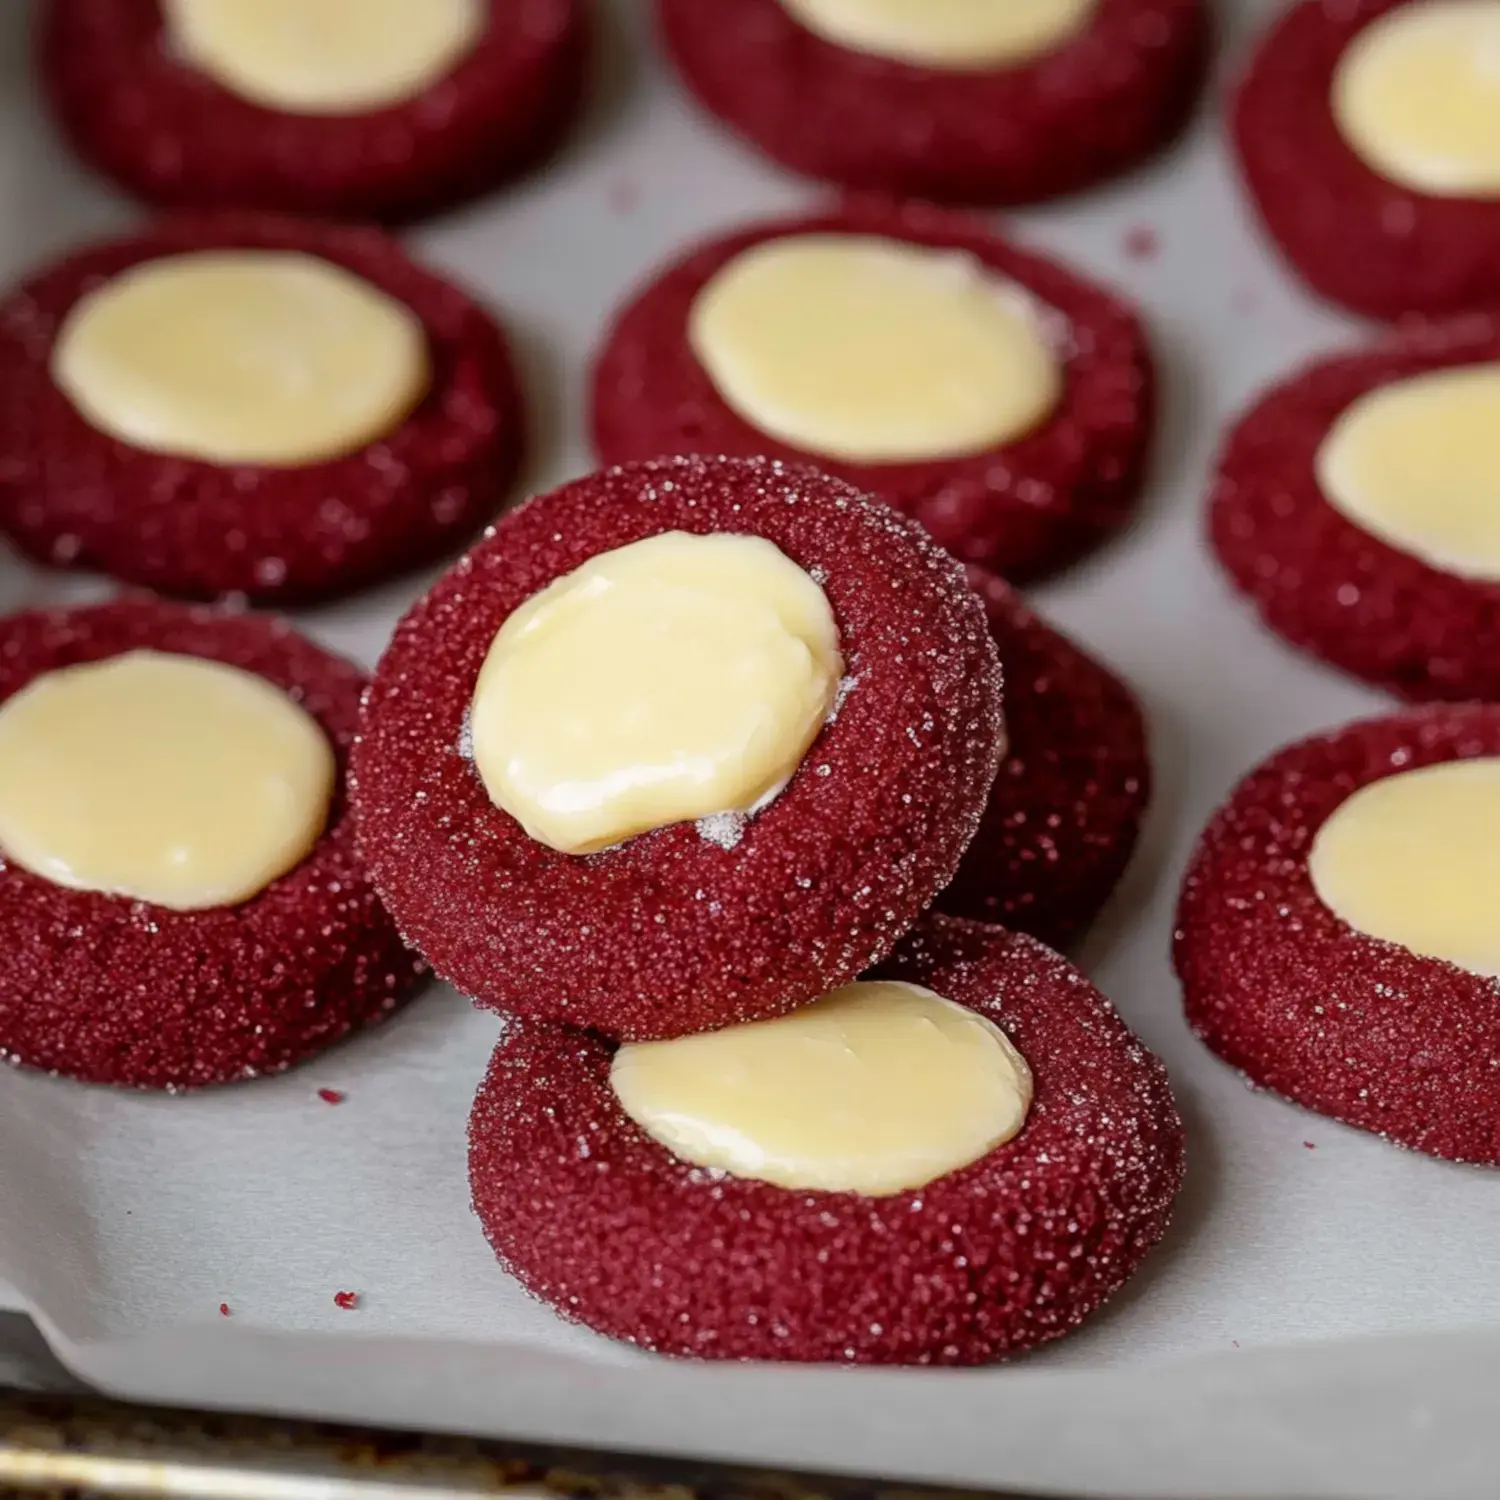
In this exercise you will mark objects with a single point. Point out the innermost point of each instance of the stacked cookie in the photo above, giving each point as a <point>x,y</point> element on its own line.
<point>660,770</point>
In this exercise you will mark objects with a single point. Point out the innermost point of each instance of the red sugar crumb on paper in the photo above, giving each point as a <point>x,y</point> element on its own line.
<point>223,1309</point>
<point>331,1096</point>
<point>1311,1145</point>
<point>347,1300</point>
<point>1142,242</point>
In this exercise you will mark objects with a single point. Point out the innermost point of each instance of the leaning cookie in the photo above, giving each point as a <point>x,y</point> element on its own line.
<point>181,903</point>
<point>1066,808</point>
<point>979,104</point>
<point>236,404</point>
<point>949,1163</point>
<point>679,745</point>
<point>1336,937</point>
<point>336,108</point>
<point>1361,133</point>
<point>1358,506</point>
<point>999,399</point>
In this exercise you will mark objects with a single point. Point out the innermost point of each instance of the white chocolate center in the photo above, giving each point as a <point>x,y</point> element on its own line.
<point>1414,463</point>
<point>324,57</point>
<point>242,357</point>
<point>166,778</point>
<point>1417,96</point>
<point>946,33</point>
<point>669,680</point>
<point>875,350</point>
<point>1415,859</point>
<point>878,1088</point>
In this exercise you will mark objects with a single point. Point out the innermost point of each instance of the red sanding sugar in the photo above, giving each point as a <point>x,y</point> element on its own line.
<point>1025,509</point>
<point>606,1226</point>
<point>348,1301</point>
<point>691,926</point>
<point>331,1096</point>
<point>1356,1028</point>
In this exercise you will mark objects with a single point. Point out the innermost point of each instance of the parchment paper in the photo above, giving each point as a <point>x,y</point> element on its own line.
<point>126,1221</point>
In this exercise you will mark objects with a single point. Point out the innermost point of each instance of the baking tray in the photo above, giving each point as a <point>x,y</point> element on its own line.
<point>1324,1319</point>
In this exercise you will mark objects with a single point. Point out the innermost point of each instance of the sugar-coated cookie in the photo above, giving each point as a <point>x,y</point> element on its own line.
<point>156,507</point>
<point>1336,937</point>
<point>604,1223</point>
<point>1379,201</point>
<point>1355,506</point>
<point>709,920</point>
<point>1064,467</point>
<point>1014,126</point>
<point>184,117</point>
<point>109,989</point>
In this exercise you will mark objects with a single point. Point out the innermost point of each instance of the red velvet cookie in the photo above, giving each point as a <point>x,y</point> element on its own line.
<point>1026,509</point>
<point>1321,581</point>
<point>677,930</point>
<point>1089,109</point>
<point>1303,1004</point>
<point>111,990</point>
<point>172,135</point>
<point>1066,809</point>
<point>72,495</point>
<point>1356,237</point>
<point>608,1227</point>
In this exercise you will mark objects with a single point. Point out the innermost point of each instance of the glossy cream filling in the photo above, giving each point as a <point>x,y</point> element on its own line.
<point>958,34</point>
<point>878,1088</point>
<point>875,350</point>
<point>1415,859</point>
<point>1417,96</point>
<point>670,680</point>
<point>1413,463</point>
<point>242,357</point>
<point>324,57</point>
<point>166,778</point>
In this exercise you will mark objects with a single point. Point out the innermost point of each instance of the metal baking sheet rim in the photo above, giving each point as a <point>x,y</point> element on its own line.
<point>1362,1419</point>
